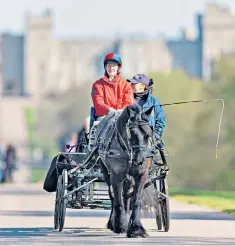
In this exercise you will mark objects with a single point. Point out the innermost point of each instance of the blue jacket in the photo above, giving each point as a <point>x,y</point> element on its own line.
<point>157,119</point>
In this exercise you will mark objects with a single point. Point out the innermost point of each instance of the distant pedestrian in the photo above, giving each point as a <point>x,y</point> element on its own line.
<point>10,159</point>
<point>2,166</point>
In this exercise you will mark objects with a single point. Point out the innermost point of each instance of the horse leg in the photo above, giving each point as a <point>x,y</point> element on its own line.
<point>109,224</point>
<point>107,180</point>
<point>126,199</point>
<point>119,220</point>
<point>135,227</point>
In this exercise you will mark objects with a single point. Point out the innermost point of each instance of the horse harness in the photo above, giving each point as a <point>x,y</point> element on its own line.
<point>127,149</point>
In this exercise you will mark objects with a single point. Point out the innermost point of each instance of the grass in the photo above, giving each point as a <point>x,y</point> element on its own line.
<point>38,175</point>
<point>223,201</point>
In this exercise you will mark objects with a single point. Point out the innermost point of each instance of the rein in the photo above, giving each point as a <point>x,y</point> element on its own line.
<point>205,101</point>
<point>127,148</point>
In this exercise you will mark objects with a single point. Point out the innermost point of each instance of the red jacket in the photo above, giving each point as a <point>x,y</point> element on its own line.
<point>116,94</point>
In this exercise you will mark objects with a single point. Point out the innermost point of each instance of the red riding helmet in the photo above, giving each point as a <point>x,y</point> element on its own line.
<point>113,57</point>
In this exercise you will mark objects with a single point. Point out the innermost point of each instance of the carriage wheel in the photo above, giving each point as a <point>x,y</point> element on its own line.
<point>63,201</point>
<point>57,204</point>
<point>162,209</point>
<point>157,207</point>
<point>165,206</point>
<point>158,212</point>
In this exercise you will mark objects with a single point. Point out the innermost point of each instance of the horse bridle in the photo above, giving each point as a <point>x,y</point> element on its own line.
<point>131,149</point>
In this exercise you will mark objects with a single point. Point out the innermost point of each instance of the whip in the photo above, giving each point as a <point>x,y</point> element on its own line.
<point>203,101</point>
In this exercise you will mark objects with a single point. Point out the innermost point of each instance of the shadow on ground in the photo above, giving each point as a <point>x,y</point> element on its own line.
<point>87,235</point>
<point>105,213</point>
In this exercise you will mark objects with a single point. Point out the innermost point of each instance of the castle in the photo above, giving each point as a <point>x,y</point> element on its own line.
<point>36,64</point>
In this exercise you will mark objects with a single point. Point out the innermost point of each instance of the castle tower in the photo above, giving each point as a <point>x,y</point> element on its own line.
<point>38,44</point>
<point>218,32</point>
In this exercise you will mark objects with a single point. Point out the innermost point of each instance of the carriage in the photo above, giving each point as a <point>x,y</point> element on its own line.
<point>81,183</point>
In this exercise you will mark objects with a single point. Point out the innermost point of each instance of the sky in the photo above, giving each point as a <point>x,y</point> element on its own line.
<point>107,18</point>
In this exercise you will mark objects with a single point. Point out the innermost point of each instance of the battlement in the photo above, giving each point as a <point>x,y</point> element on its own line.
<point>218,16</point>
<point>213,9</point>
<point>43,21</point>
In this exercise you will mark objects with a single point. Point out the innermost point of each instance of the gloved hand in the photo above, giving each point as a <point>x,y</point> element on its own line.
<point>119,110</point>
<point>157,137</point>
<point>158,141</point>
<point>160,145</point>
<point>111,111</point>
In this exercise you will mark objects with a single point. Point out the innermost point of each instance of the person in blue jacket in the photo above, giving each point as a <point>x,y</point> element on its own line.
<point>142,87</point>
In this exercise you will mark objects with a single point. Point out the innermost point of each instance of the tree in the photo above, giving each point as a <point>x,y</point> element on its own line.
<point>191,131</point>
<point>63,113</point>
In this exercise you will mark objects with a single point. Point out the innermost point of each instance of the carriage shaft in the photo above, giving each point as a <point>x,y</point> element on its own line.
<point>71,192</point>
<point>162,194</point>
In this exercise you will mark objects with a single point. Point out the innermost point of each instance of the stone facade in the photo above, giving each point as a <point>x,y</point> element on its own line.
<point>218,35</point>
<point>144,56</point>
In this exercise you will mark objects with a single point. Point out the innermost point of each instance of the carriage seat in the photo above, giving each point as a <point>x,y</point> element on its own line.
<point>92,128</point>
<point>93,118</point>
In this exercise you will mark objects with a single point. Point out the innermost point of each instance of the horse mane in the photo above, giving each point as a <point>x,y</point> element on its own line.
<point>137,110</point>
<point>121,118</point>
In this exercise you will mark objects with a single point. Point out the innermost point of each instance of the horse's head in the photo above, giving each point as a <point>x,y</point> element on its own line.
<point>139,131</point>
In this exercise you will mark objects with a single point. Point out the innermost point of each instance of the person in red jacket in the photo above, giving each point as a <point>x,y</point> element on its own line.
<point>112,92</point>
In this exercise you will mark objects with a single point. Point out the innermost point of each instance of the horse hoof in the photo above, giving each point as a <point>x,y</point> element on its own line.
<point>119,230</point>
<point>110,226</point>
<point>136,231</point>
<point>119,224</point>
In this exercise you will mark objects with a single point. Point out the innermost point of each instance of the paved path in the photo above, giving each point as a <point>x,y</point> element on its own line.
<point>26,218</point>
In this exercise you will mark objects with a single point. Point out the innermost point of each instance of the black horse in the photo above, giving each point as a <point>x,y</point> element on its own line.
<point>122,141</point>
